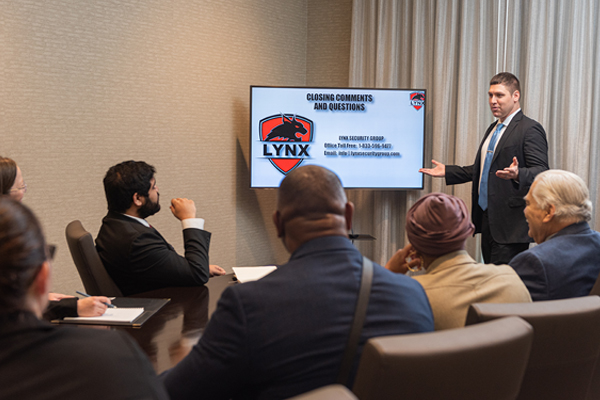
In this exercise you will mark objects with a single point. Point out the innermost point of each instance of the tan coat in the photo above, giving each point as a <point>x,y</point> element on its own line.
<point>455,281</point>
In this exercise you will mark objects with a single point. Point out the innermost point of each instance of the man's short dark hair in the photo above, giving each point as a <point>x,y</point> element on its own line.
<point>507,79</point>
<point>124,180</point>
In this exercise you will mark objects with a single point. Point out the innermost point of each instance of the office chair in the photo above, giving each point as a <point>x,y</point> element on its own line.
<point>566,344</point>
<point>594,393</point>
<point>95,279</point>
<point>596,288</point>
<point>473,363</point>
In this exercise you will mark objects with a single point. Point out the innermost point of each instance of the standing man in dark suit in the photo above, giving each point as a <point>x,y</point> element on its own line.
<point>134,254</point>
<point>513,151</point>
<point>285,334</point>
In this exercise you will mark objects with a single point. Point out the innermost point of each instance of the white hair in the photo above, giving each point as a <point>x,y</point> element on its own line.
<point>566,191</point>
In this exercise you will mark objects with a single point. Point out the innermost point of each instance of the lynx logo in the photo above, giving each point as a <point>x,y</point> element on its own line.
<point>286,139</point>
<point>417,99</point>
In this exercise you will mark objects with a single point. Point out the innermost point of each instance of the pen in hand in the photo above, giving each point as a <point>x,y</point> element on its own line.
<point>87,295</point>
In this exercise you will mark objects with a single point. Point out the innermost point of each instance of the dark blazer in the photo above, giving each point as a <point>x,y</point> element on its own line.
<point>566,265</point>
<point>66,307</point>
<point>139,259</point>
<point>525,139</point>
<point>285,334</point>
<point>41,361</point>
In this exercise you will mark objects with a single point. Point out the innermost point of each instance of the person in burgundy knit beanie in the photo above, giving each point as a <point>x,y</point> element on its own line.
<point>438,224</point>
<point>437,227</point>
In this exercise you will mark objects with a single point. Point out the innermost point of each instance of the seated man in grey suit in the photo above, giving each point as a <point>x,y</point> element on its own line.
<point>285,334</point>
<point>135,255</point>
<point>566,261</point>
<point>42,361</point>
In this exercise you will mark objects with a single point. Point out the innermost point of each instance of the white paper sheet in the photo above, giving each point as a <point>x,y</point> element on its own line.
<point>247,274</point>
<point>120,314</point>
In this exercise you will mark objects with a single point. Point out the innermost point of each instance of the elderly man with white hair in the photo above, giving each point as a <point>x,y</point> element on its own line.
<point>566,261</point>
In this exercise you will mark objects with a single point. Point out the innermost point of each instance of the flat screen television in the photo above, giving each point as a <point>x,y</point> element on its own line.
<point>371,138</point>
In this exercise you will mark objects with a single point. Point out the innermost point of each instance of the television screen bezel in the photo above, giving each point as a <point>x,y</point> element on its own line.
<point>387,188</point>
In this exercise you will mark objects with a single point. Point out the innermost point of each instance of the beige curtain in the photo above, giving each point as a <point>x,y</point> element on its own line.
<point>452,48</point>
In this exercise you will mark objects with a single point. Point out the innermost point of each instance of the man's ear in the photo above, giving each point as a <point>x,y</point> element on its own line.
<point>138,200</point>
<point>516,96</point>
<point>550,212</point>
<point>349,213</point>
<point>278,224</point>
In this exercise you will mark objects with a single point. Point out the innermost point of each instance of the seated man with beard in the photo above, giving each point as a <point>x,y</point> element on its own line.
<point>134,254</point>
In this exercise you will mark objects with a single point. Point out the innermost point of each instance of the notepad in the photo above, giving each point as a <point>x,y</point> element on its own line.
<point>121,314</point>
<point>247,274</point>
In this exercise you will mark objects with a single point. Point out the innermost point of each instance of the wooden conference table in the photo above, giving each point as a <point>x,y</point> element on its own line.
<point>169,335</point>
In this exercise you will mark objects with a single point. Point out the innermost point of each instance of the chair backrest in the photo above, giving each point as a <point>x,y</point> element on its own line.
<point>596,288</point>
<point>594,393</point>
<point>566,344</point>
<point>485,361</point>
<point>329,392</point>
<point>95,279</point>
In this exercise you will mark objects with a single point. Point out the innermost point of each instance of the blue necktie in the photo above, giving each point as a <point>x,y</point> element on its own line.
<point>483,187</point>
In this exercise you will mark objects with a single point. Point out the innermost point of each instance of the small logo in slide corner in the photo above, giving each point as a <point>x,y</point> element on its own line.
<point>417,100</point>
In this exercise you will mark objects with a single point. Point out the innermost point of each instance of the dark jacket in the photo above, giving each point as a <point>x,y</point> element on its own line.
<point>66,307</point>
<point>139,259</point>
<point>285,334</point>
<point>566,265</point>
<point>525,139</point>
<point>41,361</point>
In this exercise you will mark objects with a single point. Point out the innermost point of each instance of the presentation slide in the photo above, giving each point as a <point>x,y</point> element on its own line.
<point>371,138</point>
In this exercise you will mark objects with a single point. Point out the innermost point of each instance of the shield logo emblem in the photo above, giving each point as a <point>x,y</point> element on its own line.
<point>417,99</point>
<point>286,128</point>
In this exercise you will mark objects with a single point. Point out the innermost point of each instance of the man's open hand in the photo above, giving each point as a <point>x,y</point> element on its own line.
<point>511,172</point>
<point>439,171</point>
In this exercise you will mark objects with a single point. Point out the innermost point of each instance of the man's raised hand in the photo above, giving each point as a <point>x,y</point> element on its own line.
<point>439,171</point>
<point>511,172</point>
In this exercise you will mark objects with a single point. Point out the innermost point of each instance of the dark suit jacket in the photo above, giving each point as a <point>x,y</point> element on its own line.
<point>563,266</point>
<point>525,139</point>
<point>41,361</point>
<point>66,307</point>
<point>139,259</point>
<point>285,334</point>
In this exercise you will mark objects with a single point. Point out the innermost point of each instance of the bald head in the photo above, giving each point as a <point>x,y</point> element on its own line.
<point>311,202</point>
<point>311,190</point>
